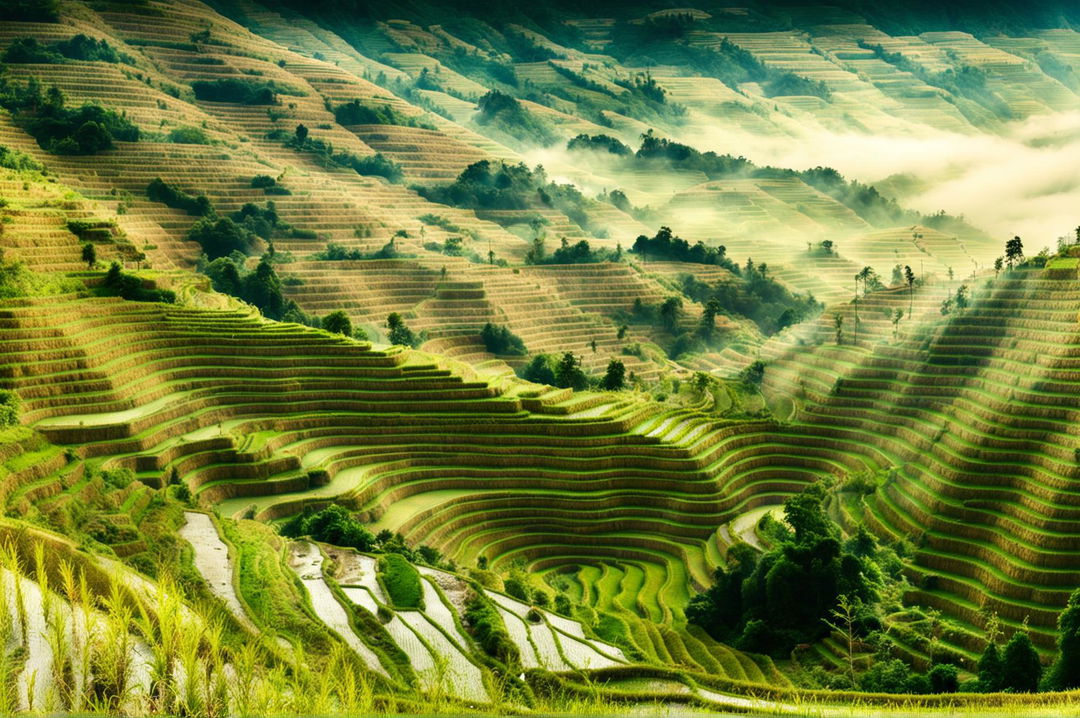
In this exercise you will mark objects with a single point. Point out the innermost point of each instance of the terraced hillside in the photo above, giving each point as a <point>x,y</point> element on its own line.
<point>424,360</point>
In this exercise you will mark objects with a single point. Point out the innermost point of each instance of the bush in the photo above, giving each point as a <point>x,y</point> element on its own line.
<point>541,370</point>
<point>507,115</point>
<point>9,407</point>
<point>487,628</point>
<point>263,182</point>
<point>356,113</point>
<point>377,165</point>
<point>400,332</point>
<point>401,581</point>
<point>241,90</point>
<point>221,237</point>
<point>27,50</point>
<point>500,340</point>
<point>130,287</point>
<point>189,136</point>
<point>81,47</point>
<point>19,161</point>
<point>84,131</point>
<point>338,323</point>
<point>196,205</point>
<point>333,525</point>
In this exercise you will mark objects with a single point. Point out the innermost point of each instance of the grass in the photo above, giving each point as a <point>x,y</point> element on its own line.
<point>401,581</point>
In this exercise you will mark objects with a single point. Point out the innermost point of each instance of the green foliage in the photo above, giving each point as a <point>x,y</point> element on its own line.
<point>399,332</point>
<point>119,284</point>
<point>1020,666</point>
<point>9,408</point>
<point>943,678</point>
<point>334,252</point>
<point>540,370</point>
<point>615,376</point>
<point>664,245</point>
<point>893,676</point>
<point>189,136</point>
<point>756,296</point>
<point>30,10</point>
<point>260,287</point>
<point>27,50</point>
<point>486,626</point>
<point>62,130</point>
<point>161,191</point>
<point>401,581</point>
<point>333,525</point>
<point>569,374</point>
<point>338,322</point>
<point>990,669</point>
<point>504,113</point>
<point>788,84</point>
<point>376,165</point>
<point>357,113</point>
<point>18,281</point>
<point>221,236</point>
<point>773,603</point>
<point>242,90</point>
<point>19,161</point>
<point>1065,673</point>
<point>263,182</point>
<point>500,340</point>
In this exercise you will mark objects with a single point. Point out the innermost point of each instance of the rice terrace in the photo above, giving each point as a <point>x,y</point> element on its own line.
<point>630,357</point>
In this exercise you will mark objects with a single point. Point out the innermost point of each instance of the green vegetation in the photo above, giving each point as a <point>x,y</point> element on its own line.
<point>487,628</point>
<point>242,90</point>
<point>334,252</point>
<point>19,161</point>
<point>189,136</point>
<point>59,129</point>
<point>357,113</point>
<point>30,10</point>
<point>401,581</point>
<point>25,50</point>
<point>500,340</point>
<point>666,246</point>
<point>334,525</point>
<point>119,284</point>
<point>161,191</point>
<point>505,114</point>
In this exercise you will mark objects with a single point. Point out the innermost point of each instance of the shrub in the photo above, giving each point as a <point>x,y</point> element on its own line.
<point>400,332</point>
<point>333,525</point>
<point>27,50</point>
<point>541,370</point>
<point>220,237</point>
<point>338,323</point>
<point>241,90</point>
<point>377,165</point>
<point>263,181</point>
<point>196,205</point>
<point>599,143</point>
<point>189,136</point>
<point>9,407</point>
<point>82,47</point>
<point>19,161</point>
<point>401,581</point>
<point>500,340</point>
<point>356,113</point>
<point>506,114</point>
<point>487,628</point>
<point>130,287</point>
<point>83,131</point>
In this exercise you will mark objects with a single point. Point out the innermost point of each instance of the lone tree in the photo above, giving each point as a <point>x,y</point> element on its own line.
<point>89,255</point>
<point>338,322</point>
<point>838,325</point>
<point>1020,666</point>
<point>897,315</point>
<point>301,133</point>
<point>1014,252</point>
<point>9,407</point>
<point>615,376</point>
<point>399,332</point>
<point>568,373</point>
<point>670,311</point>
<point>909,277</point>
<point>998,264</point>
<point>1065,673</point>
<point>962,300</point>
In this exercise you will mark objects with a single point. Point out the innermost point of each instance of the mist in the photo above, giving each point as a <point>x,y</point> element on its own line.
<point>1024,182</point>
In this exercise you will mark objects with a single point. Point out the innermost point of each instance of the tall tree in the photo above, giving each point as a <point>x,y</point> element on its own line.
<point>1065,673</point>
<point>909,277</point>
<point>1014,252</point>
<point>1020,666</point>
<point>615,376</point>
<point>89,255</point>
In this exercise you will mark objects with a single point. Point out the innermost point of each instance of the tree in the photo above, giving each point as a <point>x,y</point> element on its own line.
<point>990,668</point>
<point>909,277</point>
<point>897,315</point>
<point>568,373</point>
<point>1020,666</point>
<point>301,133</point>
<point>1014,252</point>
<point>338,323</point>
<point>943,678</point>
<point>399,332</point>
<point>615,376</point>
<point>670,311</point>
<point>89,255</point>
<point>897,275</point>
<point>961,301</point>
<point>1065,673</point>
<point>838,325</point>
<point>843,622</point>
<point>998,264</point>
<point>539,370</point>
